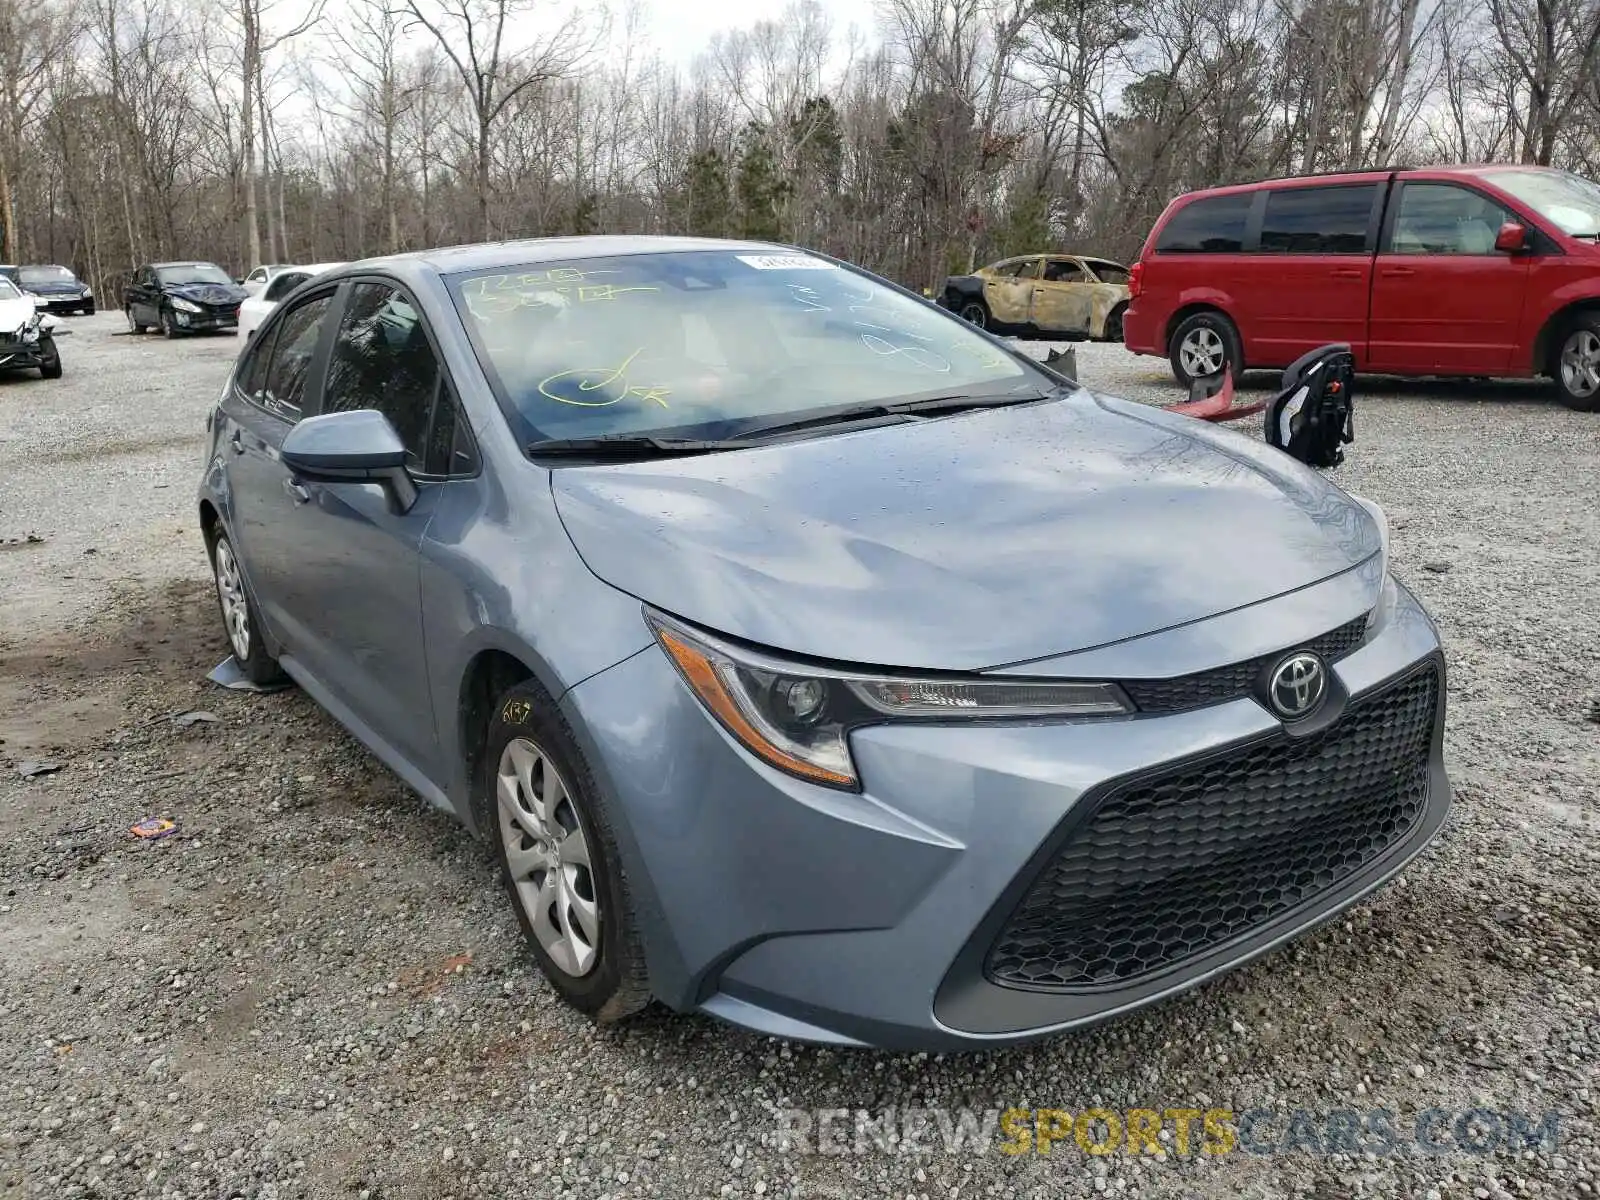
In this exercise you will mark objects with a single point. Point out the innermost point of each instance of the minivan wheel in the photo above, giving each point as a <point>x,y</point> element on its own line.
<point>1202,345</point>
<point>239,618</point>
<point>1577,365</point>
<point>976,313</point>
<point>559,860</point>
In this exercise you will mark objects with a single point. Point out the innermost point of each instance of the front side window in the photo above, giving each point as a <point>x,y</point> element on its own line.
<point>182,273</point>
<point>1569,202</point>
<point>382,360</point>
<point>1440,218</point>
<point>701,342</point>
<point>1021,269</point>
<point>1065,271</point>
<point>293,347</point>
<point>1318,220</point>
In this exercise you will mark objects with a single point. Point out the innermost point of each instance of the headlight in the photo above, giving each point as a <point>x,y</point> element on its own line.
<point>88,293</point>
<point>798,717</point>
<point>1382,519</point>
<point>182,305</point>
<point>28,331</point>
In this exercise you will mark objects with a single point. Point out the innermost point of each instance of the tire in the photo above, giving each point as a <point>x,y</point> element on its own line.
<point>50,368</point>
<point>1196,336</point>
<point>974,312</point>
<point>134,326</point>
<point>1113,328</point>
<point>529,756</point>
<point>169,324</point>
<point>240,621</point>
<point>89,311</point>
<point>1575,364</point>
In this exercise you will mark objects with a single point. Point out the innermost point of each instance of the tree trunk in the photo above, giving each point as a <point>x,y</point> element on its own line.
<point>483,179</point>
<point>252,227</point>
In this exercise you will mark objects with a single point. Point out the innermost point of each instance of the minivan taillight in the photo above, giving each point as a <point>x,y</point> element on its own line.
<point>1135,274</point>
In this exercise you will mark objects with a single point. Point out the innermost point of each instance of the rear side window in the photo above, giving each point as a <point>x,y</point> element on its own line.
<point>1210,225</point>
<point>1318,220</point>
<point>284,389</point>
<point>1065,272</point>
<point>284,284</point>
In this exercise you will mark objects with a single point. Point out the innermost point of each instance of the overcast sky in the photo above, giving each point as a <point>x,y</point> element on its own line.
<point>680,29</point>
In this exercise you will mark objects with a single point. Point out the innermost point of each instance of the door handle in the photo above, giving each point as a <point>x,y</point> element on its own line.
<point>237,442</point>
<point>1396,272</point>
<point>1346,273</point>
<point>296,491</point>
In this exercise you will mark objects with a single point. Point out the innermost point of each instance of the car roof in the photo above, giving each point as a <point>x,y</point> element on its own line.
<point>460,260</point>
<point>184,262</point>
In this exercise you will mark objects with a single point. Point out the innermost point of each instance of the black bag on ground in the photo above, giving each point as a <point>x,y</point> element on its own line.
<point>1314,413</point>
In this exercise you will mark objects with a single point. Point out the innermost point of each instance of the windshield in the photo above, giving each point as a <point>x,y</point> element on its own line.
<point>1567,201</point>
<point>193,273</point>
<point>47,275</point>
<point>8,290</point>
<point>699,342</point>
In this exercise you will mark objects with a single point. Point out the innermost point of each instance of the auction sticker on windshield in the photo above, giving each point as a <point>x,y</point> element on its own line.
<point>785,262</point>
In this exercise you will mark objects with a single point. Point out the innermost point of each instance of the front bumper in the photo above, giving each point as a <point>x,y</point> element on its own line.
<point>869,919</point>
<point>210,319</point>
<point>20,356</point>
<point>67,304</point>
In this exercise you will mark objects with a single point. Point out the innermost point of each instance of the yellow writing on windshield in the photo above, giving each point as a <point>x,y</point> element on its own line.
<point>597,379</point>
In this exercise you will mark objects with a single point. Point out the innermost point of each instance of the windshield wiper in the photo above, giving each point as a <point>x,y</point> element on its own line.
<point>624,445</point>
<point>956,402</point>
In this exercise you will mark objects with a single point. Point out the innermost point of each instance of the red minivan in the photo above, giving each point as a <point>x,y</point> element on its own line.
<point>1467,271</point>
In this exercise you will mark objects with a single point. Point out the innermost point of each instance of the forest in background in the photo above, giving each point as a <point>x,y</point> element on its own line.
<point>251,131</point>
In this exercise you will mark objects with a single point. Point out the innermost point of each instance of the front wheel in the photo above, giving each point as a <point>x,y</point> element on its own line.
<point>1202,346</point>
<point>169,323</point>
<point>975,312</point>
<point>1577,365</point>
<point>49,359</point>
<point>559,859</point>
<point>89,311</point>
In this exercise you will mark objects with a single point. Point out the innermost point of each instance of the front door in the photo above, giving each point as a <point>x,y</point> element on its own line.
<point>357,610</point>
<point>1444,300</point>
<point>1063,299</point>
<point>142,301</point>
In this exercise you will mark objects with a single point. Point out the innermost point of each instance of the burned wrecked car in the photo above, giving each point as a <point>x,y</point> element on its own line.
<point>1043,293</point>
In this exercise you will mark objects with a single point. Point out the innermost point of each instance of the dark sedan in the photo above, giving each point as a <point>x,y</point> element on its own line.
<point>183,297</point>
<point>59,288</point>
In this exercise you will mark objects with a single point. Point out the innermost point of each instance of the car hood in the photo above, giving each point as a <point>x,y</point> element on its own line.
<point>207,293</point>
<point>56,288</point>
<point>965,542</point>
<point>15,313</point>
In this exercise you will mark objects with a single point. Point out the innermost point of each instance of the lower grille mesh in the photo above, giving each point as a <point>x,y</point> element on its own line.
<point>1169,866</point>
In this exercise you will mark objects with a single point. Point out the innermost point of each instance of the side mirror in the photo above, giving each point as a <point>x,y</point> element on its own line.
<point>1511,238</point>
<point>351,447</point>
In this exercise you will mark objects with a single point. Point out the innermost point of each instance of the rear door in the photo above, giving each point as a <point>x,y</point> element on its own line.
<point>1009,291</point>
<point>1444,300</point>
<point>1312,270</point>
<point>268,397</point>
<point>1063,299</point>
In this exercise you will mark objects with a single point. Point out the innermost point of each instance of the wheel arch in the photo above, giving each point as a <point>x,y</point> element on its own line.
<point>1544,343</point>
<point>488,675</point>
<point>1194,307</point>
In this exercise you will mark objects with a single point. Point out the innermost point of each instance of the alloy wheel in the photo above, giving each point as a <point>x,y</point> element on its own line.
<point>1580,363</point>
<point>548,857</point>
<point>235,608</point>
<point>1202,353</point>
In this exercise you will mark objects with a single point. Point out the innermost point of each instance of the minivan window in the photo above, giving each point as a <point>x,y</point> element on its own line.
<point>1568,201</point>
<point>1211,225</point>
<point>1441,218</point>
<point>1318,220</point>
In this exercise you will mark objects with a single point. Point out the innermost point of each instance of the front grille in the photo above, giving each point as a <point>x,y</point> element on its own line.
<point>1233,681</point>
<point>1171,865</point>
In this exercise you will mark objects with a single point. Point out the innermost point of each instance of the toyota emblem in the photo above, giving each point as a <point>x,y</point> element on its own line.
<point>1297,685</point>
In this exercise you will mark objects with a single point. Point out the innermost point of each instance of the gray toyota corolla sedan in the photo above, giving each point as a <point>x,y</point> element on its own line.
<point>811,658</point>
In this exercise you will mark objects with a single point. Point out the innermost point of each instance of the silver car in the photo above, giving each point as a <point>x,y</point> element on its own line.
<point>811,658</point>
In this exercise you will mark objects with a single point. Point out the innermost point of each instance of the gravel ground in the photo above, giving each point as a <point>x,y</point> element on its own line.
<point>315,988</point>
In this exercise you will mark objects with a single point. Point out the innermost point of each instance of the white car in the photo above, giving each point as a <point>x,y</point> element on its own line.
<point>27,333</point>
<point>255,282</point>
<point>284,280</point>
